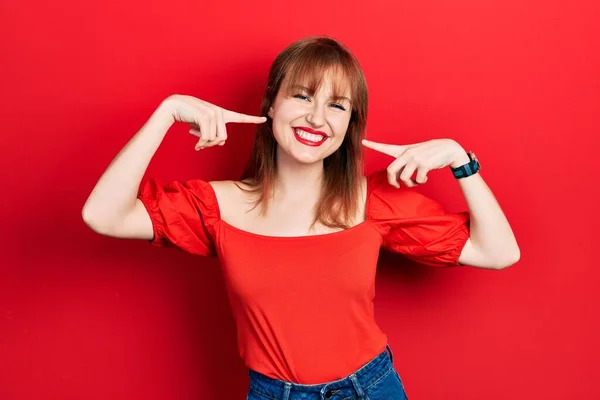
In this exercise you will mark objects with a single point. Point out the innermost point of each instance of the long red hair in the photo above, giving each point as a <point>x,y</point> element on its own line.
<point>306,62</point>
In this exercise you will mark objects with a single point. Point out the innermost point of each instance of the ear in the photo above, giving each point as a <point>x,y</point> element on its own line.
<point>270,112</point>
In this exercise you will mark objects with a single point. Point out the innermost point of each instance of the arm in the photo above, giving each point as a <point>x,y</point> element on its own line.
<point>492,243</point>
<point>112,208</point>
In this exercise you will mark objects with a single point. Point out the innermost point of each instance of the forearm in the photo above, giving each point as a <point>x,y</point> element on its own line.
<point>115,192</point>
<point>490,231</point>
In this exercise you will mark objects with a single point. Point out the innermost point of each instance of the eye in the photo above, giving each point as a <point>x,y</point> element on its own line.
<point>301,96</point>
<point>339,106</point>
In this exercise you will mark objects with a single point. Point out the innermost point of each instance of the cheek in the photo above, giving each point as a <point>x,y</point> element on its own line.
<point>340,128</point>
<point>340,124</point>
<point>286,110</point>
<point>282,118</point>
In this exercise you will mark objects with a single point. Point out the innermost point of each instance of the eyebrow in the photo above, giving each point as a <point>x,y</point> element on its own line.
<point>304,88</point>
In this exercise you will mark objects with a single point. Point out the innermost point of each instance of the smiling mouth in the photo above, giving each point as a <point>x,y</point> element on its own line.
<point>309,139</point>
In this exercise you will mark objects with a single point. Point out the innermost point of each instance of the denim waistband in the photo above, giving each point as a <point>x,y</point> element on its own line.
<point>354,384</point>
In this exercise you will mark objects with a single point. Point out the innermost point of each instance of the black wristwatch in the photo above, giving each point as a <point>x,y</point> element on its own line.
<point>467,169</point>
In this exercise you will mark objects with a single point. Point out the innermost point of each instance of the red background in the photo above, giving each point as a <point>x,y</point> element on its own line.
<point>89,317</point>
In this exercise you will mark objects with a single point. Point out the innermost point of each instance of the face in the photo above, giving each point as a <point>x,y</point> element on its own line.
<point>309,127</point>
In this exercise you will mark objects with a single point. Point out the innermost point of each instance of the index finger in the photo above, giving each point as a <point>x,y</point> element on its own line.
<point>389,149</point>
<point>232,116</point>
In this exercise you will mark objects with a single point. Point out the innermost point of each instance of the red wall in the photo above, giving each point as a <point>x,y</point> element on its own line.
<point>88,317</point>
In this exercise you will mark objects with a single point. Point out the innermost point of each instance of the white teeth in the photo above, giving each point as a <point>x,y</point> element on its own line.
<point>309,136</point>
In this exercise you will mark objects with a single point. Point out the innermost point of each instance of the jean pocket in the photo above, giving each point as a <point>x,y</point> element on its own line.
<point>389,387</point>
<point>255,395</point>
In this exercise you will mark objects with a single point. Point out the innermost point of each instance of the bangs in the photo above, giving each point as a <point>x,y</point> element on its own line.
<point>310,71</point>
<point>304,66</point>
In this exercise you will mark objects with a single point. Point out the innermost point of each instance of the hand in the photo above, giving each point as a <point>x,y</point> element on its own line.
<point>207,120</point>
<point>420,157</point>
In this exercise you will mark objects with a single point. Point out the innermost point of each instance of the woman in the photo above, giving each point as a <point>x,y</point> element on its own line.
<point>299,235</point>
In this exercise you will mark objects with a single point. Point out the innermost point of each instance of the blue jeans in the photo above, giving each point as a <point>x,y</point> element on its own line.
<point>376,380</point>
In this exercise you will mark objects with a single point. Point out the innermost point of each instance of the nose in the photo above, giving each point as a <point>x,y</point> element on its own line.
<point>316,116</point>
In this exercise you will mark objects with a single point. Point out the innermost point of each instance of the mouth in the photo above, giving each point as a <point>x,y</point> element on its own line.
<point>309,137</point>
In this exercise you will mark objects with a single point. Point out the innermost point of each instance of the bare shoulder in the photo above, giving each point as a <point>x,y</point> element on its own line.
<point>234,198</point>
<point>229,188</point>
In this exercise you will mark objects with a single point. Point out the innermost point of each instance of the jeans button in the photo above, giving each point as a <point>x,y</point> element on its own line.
<point>328,394</point>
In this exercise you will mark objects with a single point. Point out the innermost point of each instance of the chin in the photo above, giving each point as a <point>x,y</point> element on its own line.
<point>307,158</point>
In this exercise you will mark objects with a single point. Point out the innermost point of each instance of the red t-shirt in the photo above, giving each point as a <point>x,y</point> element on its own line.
<point>303,306</point>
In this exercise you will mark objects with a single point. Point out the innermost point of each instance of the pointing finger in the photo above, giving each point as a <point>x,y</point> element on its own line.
<point>389,149</point>
<point>232,116</point>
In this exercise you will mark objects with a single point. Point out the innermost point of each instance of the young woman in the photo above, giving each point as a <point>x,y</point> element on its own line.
<point>298,236</point>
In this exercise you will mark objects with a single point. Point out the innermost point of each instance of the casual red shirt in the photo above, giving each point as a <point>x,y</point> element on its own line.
<point>303,306</point>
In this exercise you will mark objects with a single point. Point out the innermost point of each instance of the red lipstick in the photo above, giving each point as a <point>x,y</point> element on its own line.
<point>308,142</point>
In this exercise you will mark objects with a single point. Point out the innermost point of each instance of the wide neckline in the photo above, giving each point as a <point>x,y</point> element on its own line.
<point>320,236</point>
<point>227,225</point>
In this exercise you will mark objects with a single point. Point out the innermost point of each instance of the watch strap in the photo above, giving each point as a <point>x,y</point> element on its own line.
<point>467,169</point>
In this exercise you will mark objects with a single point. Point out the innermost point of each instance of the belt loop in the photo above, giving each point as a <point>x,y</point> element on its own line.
<point>357,387</point>
<point>389,349</point>
<point>286,390</point>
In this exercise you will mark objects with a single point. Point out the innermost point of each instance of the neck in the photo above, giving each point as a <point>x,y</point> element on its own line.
<point>297,180</point>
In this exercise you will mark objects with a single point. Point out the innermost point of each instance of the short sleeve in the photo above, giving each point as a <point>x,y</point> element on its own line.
<point>183,214</point>
<point>414,225</point>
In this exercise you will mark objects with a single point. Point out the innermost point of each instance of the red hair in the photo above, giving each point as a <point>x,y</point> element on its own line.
<point>306,62</point>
